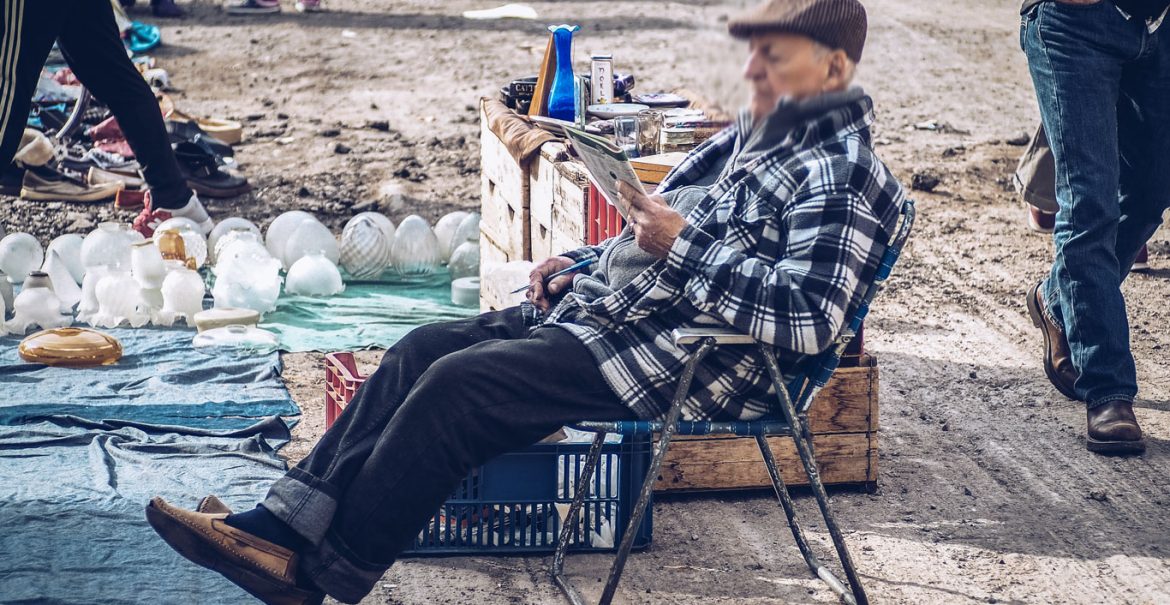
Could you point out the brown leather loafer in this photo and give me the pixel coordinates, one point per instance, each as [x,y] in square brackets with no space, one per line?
[1058,364]
[266,570]
[1113,429]
[212,506]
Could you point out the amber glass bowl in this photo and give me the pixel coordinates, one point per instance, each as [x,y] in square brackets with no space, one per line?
[71,347]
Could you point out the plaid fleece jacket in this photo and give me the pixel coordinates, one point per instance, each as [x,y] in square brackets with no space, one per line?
[781,248]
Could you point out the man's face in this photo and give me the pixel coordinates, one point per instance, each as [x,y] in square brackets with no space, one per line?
[787,65]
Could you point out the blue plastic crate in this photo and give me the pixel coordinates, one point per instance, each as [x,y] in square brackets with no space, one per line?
[514,503]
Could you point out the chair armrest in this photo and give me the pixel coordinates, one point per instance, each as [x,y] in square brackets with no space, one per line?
[722,336]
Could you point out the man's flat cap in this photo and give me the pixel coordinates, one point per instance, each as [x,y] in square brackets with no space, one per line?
[834,23]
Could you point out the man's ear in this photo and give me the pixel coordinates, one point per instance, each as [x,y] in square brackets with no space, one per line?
[838,72]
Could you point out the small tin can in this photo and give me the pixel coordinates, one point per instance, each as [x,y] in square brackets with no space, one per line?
[601,78]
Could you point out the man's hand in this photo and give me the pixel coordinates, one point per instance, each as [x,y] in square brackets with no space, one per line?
[655,224]
[538,291]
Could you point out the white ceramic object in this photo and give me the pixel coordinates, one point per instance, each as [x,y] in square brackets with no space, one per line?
[465,292]
[182,292]
[281,229]
[445,230]
[416,249]
[464,261]
[146,265]
[120,301]
[37,305]
[64,287]
[313,275]
[226,226]
[20,254]
[365,250]
[247,282]
[106,246]
[468,230]
[218,317]
[235,340]
[68,247]
[308,237]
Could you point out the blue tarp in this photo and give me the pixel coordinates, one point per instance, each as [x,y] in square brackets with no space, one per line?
[160,379]
[72,496]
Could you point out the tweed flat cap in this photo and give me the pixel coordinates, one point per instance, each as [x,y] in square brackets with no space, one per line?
[834,23]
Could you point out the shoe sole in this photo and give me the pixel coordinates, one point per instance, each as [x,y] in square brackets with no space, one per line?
[1140,268]
[1115,447]
[218,192]
[192,546]
[1037,227]
[36,196]
[1038,321]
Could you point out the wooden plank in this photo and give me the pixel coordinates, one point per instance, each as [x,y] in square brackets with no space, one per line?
[729,463]
[848,403]
[504,193]
[570,204]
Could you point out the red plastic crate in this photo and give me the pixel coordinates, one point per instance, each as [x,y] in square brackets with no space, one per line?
[604,220]
[341,382]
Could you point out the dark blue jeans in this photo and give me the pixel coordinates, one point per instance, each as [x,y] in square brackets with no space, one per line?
[1103,82]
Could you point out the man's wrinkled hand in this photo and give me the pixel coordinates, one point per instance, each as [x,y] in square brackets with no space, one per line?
[655,224]
[540,292]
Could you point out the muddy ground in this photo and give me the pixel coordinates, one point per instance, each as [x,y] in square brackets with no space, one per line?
[986,492]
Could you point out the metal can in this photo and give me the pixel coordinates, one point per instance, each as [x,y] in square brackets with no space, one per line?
[601,79]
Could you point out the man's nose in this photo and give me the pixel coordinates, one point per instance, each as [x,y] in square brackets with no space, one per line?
[752,67]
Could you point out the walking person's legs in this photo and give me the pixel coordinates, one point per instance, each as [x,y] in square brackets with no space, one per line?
[1076,54]
[28,29]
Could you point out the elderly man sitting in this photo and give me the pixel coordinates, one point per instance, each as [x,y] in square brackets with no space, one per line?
[774,226]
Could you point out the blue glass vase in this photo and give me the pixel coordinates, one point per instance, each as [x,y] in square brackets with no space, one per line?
[562,98]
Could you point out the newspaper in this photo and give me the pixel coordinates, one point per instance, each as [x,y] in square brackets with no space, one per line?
[606,165]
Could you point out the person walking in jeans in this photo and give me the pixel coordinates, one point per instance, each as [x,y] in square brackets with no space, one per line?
[1101,70]
[89,38]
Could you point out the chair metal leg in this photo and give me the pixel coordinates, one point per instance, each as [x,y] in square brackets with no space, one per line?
[670,426]
[582,485]
[803,440]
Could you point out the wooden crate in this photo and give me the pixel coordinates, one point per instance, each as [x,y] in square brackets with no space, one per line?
[558,202]
[504,187]
[844,422]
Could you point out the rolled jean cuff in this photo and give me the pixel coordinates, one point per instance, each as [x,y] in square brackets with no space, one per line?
[304,502]
[1100,401]
[334,568]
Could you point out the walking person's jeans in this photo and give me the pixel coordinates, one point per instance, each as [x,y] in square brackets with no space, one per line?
[1103,83]
[447,398]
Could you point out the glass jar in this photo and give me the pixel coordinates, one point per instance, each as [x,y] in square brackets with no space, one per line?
[649,132]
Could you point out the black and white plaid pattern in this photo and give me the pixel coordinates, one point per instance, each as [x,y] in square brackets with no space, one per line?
[781,248]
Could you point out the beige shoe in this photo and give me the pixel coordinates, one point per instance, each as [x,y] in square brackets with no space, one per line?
[266,570]
[98,176]
[48,184]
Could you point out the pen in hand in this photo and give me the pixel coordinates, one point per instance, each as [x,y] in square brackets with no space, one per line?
[571,268]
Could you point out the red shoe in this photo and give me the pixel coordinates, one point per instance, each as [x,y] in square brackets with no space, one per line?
[149,219]
[1041,221]
[1141,264]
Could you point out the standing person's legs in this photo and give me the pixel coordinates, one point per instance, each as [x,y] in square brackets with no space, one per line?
[90,41]
[494,397]
[1144,133]
[29,28]
[1075,54]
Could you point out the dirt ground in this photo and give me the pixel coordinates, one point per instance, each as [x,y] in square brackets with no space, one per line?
[986,492]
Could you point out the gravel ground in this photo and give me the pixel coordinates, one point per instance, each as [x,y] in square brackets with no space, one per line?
[986,491]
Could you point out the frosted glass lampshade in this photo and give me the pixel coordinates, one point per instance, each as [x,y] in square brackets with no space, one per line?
[445,231]
[36,305]
[89,303]
[6,298]
[182,292]
[235,340]
[240,242]
[313,275]
[248,283]
[310,236]
[193,241]
[465,261]
[468,230]
[120,301]
[365,249]
[178,223]
[63,285]
[281,229]
[20,254]
[384,223]
[105,246]
[68,247]
[416,249]
[226,226]
[146,265]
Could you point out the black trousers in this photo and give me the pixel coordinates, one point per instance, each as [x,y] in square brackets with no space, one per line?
[89,39]
[447,398]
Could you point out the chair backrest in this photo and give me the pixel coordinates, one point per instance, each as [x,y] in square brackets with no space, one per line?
[803,388]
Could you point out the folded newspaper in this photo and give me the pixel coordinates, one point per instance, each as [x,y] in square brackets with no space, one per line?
[606,164]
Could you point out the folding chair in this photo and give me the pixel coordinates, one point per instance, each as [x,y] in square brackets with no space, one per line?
[792,421]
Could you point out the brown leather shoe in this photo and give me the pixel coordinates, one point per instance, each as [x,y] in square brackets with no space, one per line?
[266,570]
[212,506]
[1113,429]
[1058,364]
